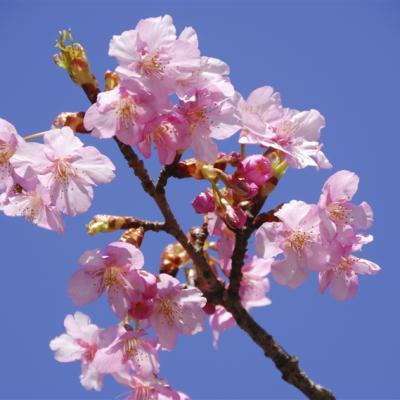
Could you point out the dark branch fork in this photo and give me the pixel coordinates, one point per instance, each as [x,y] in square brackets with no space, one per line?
[207,281]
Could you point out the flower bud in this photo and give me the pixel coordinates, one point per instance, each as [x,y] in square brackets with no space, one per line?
[173,257]
[204,202]
[235,217]
[73,59]
[72,119]
[256,168]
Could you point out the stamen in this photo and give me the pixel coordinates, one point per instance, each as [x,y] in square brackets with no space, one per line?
[338,212]
[126,113]
[151,65]
[298,240]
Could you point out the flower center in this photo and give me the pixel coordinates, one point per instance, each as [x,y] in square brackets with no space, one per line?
[6,153]
[126,113]
[298,240]
[90,352]
[112,277]
[170,310]
[64,170]
[151,65]
[338,212]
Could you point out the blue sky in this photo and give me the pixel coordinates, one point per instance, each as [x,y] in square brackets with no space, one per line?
[339,57]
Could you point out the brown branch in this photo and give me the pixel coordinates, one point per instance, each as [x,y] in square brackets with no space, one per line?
[166,172]
[268,216]
[171,225]
[288,365]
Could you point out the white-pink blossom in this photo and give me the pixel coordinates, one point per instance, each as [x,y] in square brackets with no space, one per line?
[153,55]
[177,310]
[81,342]
[298,237]
[65,167]
[110,273]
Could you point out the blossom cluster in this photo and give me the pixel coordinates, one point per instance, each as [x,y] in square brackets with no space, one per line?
[165,95]
[159,302]
[320,238]
[41,181]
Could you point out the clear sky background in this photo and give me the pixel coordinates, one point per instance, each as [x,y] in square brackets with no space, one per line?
[339,57]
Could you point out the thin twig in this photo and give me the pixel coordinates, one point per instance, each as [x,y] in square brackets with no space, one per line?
[288,365]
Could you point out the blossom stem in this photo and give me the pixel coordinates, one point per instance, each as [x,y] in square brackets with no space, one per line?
[33,136]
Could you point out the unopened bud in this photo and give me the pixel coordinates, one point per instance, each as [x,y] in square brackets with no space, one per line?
[173,257]
[72,119]
[204,202]
[73,59]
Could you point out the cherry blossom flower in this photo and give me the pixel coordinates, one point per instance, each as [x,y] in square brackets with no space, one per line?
[210,115]
[170,134]
[255,284]
[299,238]
[220,321]
[153,55]
[294,133]
[36,206]
[129,350]
[212,75]
[261,107]
[81,342]
[149,388]
[342,277]
[110,273]
[177,310]
[65,167]
[123,111]
[336,208]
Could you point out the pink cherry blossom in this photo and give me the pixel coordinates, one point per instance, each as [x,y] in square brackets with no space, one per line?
[149,388]
[226,241]
[204,202]
[9,140]
[152,54]
[212,75]
[299,238]
[65,167]
[255,284]
[234,217]
[337,210]
[177,310]
[210,115]
[256,168]
[123,111]
[170,134]
[294,133]
[108,273]
[342,277]
[129,350]
[261,107]
[36,206]
[220,321]
[80,342]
